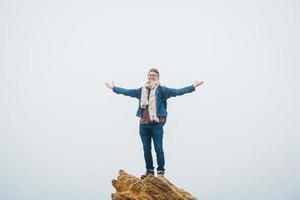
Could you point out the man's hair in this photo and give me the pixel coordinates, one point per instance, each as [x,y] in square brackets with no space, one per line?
[154,70]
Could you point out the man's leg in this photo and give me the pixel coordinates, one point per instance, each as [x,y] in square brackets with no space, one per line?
[157,133]
[145,134]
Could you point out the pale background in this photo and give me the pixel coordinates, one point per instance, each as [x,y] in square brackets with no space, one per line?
[64,135]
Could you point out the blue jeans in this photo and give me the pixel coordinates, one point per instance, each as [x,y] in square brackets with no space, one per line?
[155,132]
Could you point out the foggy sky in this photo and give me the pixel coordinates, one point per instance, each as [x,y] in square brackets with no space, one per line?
[64,135]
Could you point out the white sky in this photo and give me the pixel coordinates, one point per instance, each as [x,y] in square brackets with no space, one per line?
[64,135]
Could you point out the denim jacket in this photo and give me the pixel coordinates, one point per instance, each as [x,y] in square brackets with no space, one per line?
[160,109]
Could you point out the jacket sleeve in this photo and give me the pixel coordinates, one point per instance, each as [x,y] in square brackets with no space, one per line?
[171,92]
[135,93]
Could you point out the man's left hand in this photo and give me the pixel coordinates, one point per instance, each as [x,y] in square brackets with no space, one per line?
[197,83]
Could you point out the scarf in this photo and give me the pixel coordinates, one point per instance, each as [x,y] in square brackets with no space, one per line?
[148,99]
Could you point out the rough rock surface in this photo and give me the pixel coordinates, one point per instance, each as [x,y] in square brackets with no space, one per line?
[129,187]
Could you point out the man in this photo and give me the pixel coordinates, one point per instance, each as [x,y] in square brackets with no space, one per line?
[152,111]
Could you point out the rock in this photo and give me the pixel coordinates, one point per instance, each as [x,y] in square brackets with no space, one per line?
[129,187]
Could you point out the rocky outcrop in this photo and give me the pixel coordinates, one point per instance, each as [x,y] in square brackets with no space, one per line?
[129,187]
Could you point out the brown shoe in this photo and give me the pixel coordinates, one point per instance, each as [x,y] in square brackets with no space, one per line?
[148,172]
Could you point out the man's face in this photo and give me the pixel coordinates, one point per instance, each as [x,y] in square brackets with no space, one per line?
[152,76]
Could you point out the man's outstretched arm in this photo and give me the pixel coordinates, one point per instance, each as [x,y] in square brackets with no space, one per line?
[171,92]
[127,92]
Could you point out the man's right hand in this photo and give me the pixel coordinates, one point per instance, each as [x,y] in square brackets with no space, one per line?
[110,84]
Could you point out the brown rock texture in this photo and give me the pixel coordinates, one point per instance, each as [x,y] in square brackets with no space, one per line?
[129,187]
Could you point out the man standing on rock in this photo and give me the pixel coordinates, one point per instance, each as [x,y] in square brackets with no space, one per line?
[152,111]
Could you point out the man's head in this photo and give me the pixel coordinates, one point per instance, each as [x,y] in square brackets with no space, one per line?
[153,75]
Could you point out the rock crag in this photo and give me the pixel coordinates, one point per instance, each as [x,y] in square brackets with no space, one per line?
[129,187]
